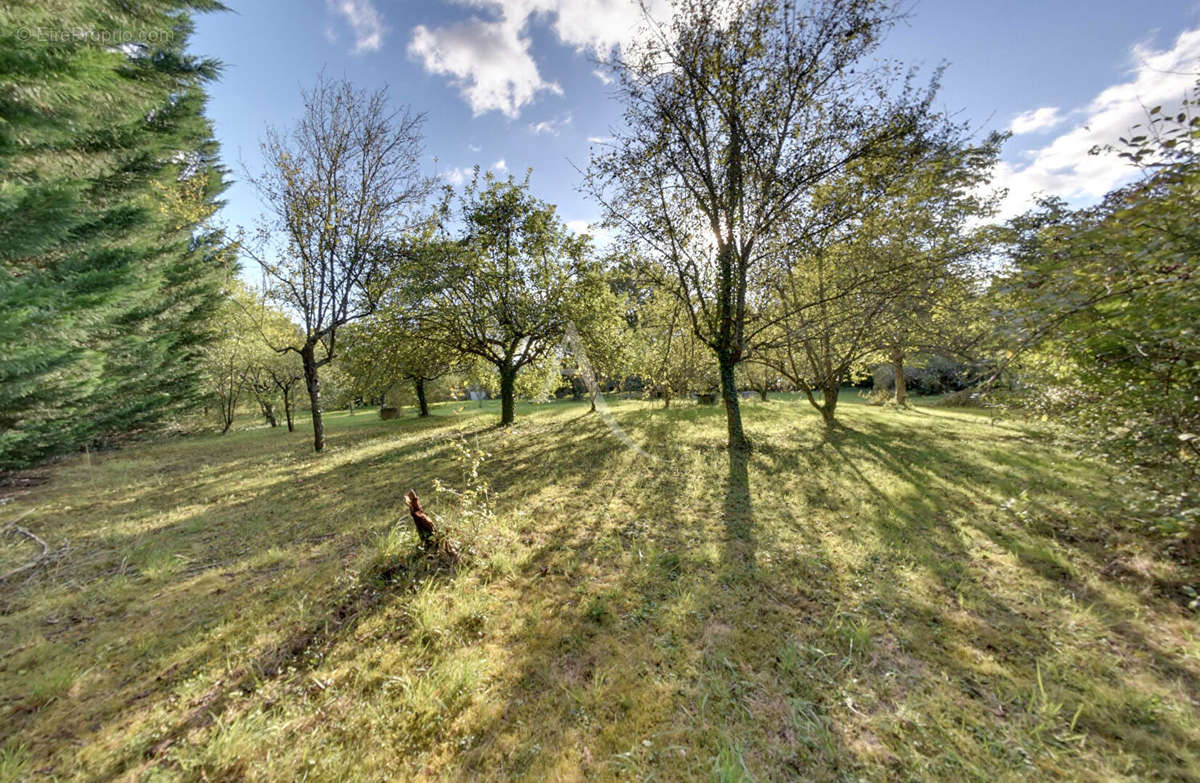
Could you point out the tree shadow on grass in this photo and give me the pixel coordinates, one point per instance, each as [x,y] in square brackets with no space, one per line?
[973,610]
[170,595]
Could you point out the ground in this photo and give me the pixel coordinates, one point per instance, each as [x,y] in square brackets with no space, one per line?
[921,594]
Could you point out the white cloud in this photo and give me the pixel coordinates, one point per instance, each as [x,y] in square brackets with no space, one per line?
[491,61]
[365,22]
[599,139]
[1036,119]
[1064,168]
[474,148]
[602,76]
[457,177]
[551,127]
[500,165]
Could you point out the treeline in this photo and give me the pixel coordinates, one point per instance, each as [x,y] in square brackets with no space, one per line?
[787,214]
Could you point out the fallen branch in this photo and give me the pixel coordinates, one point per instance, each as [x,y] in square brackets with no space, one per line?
[15,528]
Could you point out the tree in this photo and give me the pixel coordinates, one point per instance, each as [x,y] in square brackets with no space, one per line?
[831,303]
[230,358]
[1101,306]
[735,113]
[506,290]
[670,359]
[110,267]
[760,377]
[343,181]
[387,349]
[601,344]
[274,375]
[872,280]
[931,229]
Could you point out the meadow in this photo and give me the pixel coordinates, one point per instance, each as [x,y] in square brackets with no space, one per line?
[930,593]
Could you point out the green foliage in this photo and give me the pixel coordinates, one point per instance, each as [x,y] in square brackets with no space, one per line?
[891,278]
[668,356]
[504,292]
[1103,305]
[110,272]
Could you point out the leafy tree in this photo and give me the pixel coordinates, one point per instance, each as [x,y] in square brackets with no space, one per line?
[505,291]
[669,358]
[881,277]
[1102,306]
[930,224]
[760,377]
[343,181]
[601,344]
[273,375]
[388,348]
[735,113]
[229,359]
[831,303]
[110,270]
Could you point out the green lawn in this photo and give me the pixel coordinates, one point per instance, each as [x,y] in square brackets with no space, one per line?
[925,594]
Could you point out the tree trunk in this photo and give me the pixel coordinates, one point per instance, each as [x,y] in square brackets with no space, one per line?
[667,399]
[313,384]
[763,393]
[351,406]
[829,403]
[901,396]
[733,413]
[592,396]
[228,411]
[268,411]
[421,401]
[287,409]
[508,378]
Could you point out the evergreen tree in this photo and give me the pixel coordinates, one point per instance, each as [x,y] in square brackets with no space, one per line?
[109,269]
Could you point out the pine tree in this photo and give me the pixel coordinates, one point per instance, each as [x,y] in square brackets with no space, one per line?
[109,270]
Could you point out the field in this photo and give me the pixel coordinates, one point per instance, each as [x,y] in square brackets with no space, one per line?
[922,594]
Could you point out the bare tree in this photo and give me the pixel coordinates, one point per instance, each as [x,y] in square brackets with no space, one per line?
[735,113]
[335,186]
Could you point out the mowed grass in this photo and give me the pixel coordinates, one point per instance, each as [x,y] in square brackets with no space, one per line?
[924,594]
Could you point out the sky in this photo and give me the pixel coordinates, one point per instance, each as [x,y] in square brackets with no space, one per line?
[512,85]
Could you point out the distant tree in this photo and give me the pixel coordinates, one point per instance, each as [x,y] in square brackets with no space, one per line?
[341,182]
[274,375]
[230,358]
[873,278]
[602,346]
[735,112]
[388,349]
[760,377]
[830,301]
[506,290]
[931,224]
[669,358]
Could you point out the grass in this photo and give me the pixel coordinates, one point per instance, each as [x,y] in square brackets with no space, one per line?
[923,594]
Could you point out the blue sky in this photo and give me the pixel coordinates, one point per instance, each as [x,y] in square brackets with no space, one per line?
[510,84]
